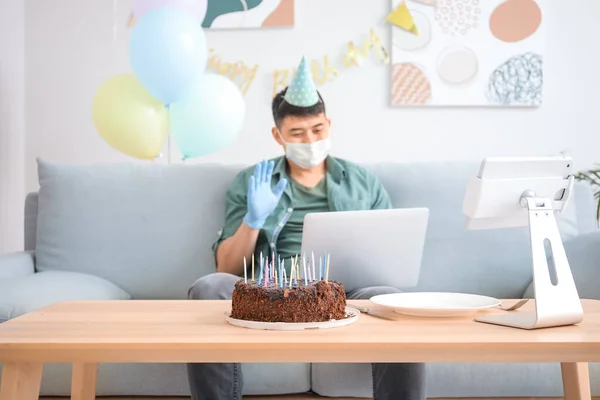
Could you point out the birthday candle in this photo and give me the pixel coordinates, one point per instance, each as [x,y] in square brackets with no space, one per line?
[309,276]
[295,264]
[281,276]
[314,276]
[292,275]
[267,273]
[276,281]
[260,274]
[252,267]
[327,274]
[304,262]
[320,268]
[245,273]
[284,277]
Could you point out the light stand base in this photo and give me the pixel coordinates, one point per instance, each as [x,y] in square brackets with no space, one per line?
[557,302]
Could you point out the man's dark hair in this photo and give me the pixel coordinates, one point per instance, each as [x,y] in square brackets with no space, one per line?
[282,108]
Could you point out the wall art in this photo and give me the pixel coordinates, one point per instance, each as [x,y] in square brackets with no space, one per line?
[467,52]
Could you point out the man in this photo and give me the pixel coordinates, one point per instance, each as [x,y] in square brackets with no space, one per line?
[266,206]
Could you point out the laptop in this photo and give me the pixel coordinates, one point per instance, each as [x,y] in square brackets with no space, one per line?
[368,247]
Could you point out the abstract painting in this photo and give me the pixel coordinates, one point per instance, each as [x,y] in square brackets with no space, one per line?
[240,14]
[467,53]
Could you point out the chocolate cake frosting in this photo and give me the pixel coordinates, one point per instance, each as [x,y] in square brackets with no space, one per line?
[316,301]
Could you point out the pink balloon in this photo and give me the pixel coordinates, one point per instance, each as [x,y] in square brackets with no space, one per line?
[194,7]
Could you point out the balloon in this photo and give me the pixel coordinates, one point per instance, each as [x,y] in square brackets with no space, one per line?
[195,7]
[167,52]
[128,118]
[209,118]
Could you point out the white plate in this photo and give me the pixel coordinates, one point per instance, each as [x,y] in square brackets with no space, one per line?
[435,304]
[294,326]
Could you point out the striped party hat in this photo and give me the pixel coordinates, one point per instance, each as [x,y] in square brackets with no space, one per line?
[302,92]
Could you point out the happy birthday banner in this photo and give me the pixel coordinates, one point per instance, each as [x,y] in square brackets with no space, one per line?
[323,70]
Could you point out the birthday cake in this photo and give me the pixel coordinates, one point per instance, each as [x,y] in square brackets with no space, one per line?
[269,299]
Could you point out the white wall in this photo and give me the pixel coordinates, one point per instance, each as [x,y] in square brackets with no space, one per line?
[12,124]
[71,50]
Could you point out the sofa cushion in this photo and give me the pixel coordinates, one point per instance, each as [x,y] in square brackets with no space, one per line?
[19,296]
[583,254]
[16,265]
[148,228]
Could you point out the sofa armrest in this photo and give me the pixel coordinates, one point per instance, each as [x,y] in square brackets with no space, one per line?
[583,253]
[17,265]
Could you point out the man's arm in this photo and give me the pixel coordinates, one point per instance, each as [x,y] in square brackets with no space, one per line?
[249,203]
[237,239]
[233,249]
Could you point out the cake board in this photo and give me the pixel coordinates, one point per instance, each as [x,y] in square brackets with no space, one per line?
[352,317]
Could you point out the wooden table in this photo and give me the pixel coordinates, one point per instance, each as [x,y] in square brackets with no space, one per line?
[88,333]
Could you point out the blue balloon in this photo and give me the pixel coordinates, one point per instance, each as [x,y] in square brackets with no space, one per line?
[209,118]
[167,52]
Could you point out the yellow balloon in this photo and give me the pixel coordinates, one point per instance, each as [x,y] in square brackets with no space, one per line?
[128,118]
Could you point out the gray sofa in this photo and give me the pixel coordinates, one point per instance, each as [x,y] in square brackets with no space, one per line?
[145,231]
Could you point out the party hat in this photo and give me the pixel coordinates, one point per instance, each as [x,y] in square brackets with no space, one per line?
[302,92]
[402,18]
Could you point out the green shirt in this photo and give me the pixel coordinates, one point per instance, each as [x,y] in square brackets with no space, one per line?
[349,187]
[304,200]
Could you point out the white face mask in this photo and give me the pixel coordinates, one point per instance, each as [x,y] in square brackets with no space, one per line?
[307,155]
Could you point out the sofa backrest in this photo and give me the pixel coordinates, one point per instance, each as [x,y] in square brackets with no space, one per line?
[150,228]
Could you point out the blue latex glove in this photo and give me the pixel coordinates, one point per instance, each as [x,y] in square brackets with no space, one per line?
[262,200]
